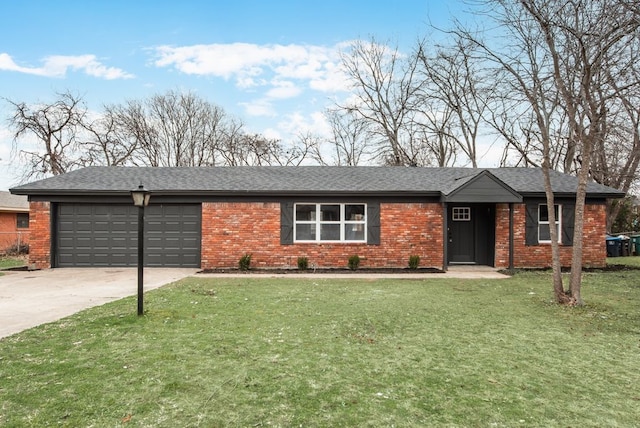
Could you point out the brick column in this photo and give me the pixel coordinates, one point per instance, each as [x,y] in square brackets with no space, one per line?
[40,231]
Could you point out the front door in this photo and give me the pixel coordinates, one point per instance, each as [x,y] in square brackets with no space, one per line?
[461,235]
[471,234]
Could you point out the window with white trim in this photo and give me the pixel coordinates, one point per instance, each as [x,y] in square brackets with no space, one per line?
[544,227]
[330,222]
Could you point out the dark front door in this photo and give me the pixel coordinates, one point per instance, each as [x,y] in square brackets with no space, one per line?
[471,234]
[461,235]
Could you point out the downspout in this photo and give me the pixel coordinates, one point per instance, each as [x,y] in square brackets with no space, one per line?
[511,245]
[445,237]
[53,234]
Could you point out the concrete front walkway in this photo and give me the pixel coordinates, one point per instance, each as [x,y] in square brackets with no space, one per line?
[28,299]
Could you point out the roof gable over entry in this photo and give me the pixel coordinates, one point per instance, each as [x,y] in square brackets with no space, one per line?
[483,187]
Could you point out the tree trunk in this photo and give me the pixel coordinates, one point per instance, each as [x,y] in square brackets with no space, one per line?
[558,286]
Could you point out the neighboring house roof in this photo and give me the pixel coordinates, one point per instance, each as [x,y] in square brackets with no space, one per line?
[300,180]
[13,203]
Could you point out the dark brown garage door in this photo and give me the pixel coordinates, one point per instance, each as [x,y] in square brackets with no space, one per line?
[106,235]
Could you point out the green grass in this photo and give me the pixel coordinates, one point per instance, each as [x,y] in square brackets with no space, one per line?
[9,262]
[316,352]
[626,261]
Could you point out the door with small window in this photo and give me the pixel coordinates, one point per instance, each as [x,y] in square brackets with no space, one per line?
[461,235]
[471,234]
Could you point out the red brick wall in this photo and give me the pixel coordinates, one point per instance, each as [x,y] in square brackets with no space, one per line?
[229,230]
[10,235]
[40,240]
[594,248]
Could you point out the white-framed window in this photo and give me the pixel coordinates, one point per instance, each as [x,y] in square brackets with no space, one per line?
[461,214]
[329,222]
[544,231]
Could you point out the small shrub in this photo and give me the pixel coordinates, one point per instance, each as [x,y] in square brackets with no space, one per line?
[414,261]
[303,263]
[245,262]
[354,262]
[17,250]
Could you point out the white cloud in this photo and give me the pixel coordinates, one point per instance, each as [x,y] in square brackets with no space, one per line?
[257,65]
[297,123]
[5,144]
[284,89]
[58,65]
[272,72]
[259,107]
[333,80]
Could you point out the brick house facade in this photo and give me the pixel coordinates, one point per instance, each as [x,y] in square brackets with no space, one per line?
[14,222]
[406,229]
[483,217]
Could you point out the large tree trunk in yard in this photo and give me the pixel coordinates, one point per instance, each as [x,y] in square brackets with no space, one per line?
[576,257]
[558,287]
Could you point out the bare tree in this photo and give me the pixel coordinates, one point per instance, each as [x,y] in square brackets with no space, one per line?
[54,127]
[564,58]
[384,87]
[589,44]
[171,129]
[434,130]
[456,89]
[182,129]
[255,149]
[348,143]
[615,163]
[104,143]
[293,154]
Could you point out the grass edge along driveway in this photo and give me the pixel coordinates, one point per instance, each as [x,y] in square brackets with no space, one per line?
[320,352]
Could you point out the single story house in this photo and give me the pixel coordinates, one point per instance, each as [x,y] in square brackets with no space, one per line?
[14,221]
[209,217]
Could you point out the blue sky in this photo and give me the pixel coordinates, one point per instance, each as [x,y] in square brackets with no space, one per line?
[272,64]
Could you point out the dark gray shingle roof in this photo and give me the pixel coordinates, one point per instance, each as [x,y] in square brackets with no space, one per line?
[296,180]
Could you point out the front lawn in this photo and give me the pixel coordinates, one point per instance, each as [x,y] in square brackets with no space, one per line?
[317,352]
[625,261]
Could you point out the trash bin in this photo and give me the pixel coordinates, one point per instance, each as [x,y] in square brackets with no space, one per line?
[614,246]
[635,245]
[625,246]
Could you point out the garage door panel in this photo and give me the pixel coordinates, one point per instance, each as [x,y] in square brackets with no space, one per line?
[191,227]
[106,235]
[175,210]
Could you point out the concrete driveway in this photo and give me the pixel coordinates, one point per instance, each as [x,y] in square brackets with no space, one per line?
[28,299]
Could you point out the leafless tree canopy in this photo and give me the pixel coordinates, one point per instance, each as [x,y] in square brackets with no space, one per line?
[50,131]
[174,129]
[349,143]
[170,129]
[454,97]
[384,86]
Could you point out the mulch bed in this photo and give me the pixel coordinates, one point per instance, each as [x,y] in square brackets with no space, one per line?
[324,271]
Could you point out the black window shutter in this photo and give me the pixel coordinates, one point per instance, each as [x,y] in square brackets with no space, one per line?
[531,226]
[568,220]
[373,223]
[286,223]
